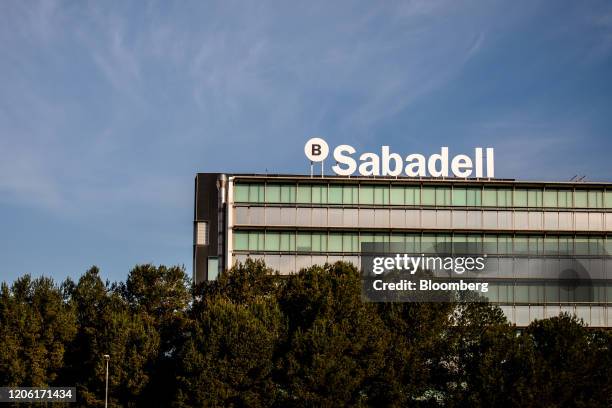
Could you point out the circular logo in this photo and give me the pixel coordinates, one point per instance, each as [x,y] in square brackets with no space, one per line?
[316,149]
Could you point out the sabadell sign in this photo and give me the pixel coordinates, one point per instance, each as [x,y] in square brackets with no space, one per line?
[389,163]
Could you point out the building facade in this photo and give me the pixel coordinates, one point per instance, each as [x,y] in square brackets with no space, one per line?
[296,221]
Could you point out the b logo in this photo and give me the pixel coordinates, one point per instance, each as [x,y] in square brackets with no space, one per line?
[316,149]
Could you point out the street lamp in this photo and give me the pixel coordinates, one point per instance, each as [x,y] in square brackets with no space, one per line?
[106,357]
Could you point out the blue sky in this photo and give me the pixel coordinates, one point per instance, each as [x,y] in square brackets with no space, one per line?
[108,109]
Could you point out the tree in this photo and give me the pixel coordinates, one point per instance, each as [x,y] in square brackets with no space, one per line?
[336,344]
[35,325]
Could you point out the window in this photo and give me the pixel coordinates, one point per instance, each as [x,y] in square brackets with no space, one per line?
[534,198]
[273,193]
[413,196]
[428,196]
[287,241]
[304,242]
[459,196]
[564,198]
[397,195]
[256,193]
[520,198]
[335,194]
[304,194]
[335,242]
[272,241]
[202,233]
[489,197]
[319,194]
[287,193]
[443,195]
[595,199]
[366,194]
[474,197]
[381,195]
[580,199]
[349,194]
[213,267]
[550,198]
[241,241]
[504,197]
[241,193]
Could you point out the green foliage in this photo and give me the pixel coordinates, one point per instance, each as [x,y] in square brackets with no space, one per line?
[254,338]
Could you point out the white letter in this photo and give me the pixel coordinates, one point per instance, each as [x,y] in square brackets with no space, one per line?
[377,266]
[348,160]
[443,158]
[460,162]
[419,165]
[478,162]
[373,164]
[386,157]
[490,162]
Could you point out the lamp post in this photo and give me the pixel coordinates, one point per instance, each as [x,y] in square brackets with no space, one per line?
[107,358]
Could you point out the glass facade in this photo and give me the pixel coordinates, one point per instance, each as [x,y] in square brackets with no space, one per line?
[526,229]
[350,241]
[421,195]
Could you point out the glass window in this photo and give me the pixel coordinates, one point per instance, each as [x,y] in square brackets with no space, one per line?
[428,242]
[256,241]
[489,197]
[273,193]
[381,195]
[566,245]
[272,241]
[608,198]
[241,240]
[413,243]
[319,242]
[550,198]
[504,197]
[213,267]
[459,196]
[564,198]
[551,245]
[521,245]
[335,242]
[241,193]
[474,197]
[534,198]
[596,246]
[335,194]
[350,243]
[303,242]
[366,194]
[319,194]
[595,199]
[521,293]
[504,244]
[489,244]
[256,193]
[413,196]
[287,193]
[287,241]
[443,195]
[349,194]
[535,245]
[304,194]
[581,245]
[520,198]
[397,195]
[580,199]
[428,196]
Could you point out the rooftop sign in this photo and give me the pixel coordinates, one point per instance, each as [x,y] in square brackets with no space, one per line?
[389,163]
